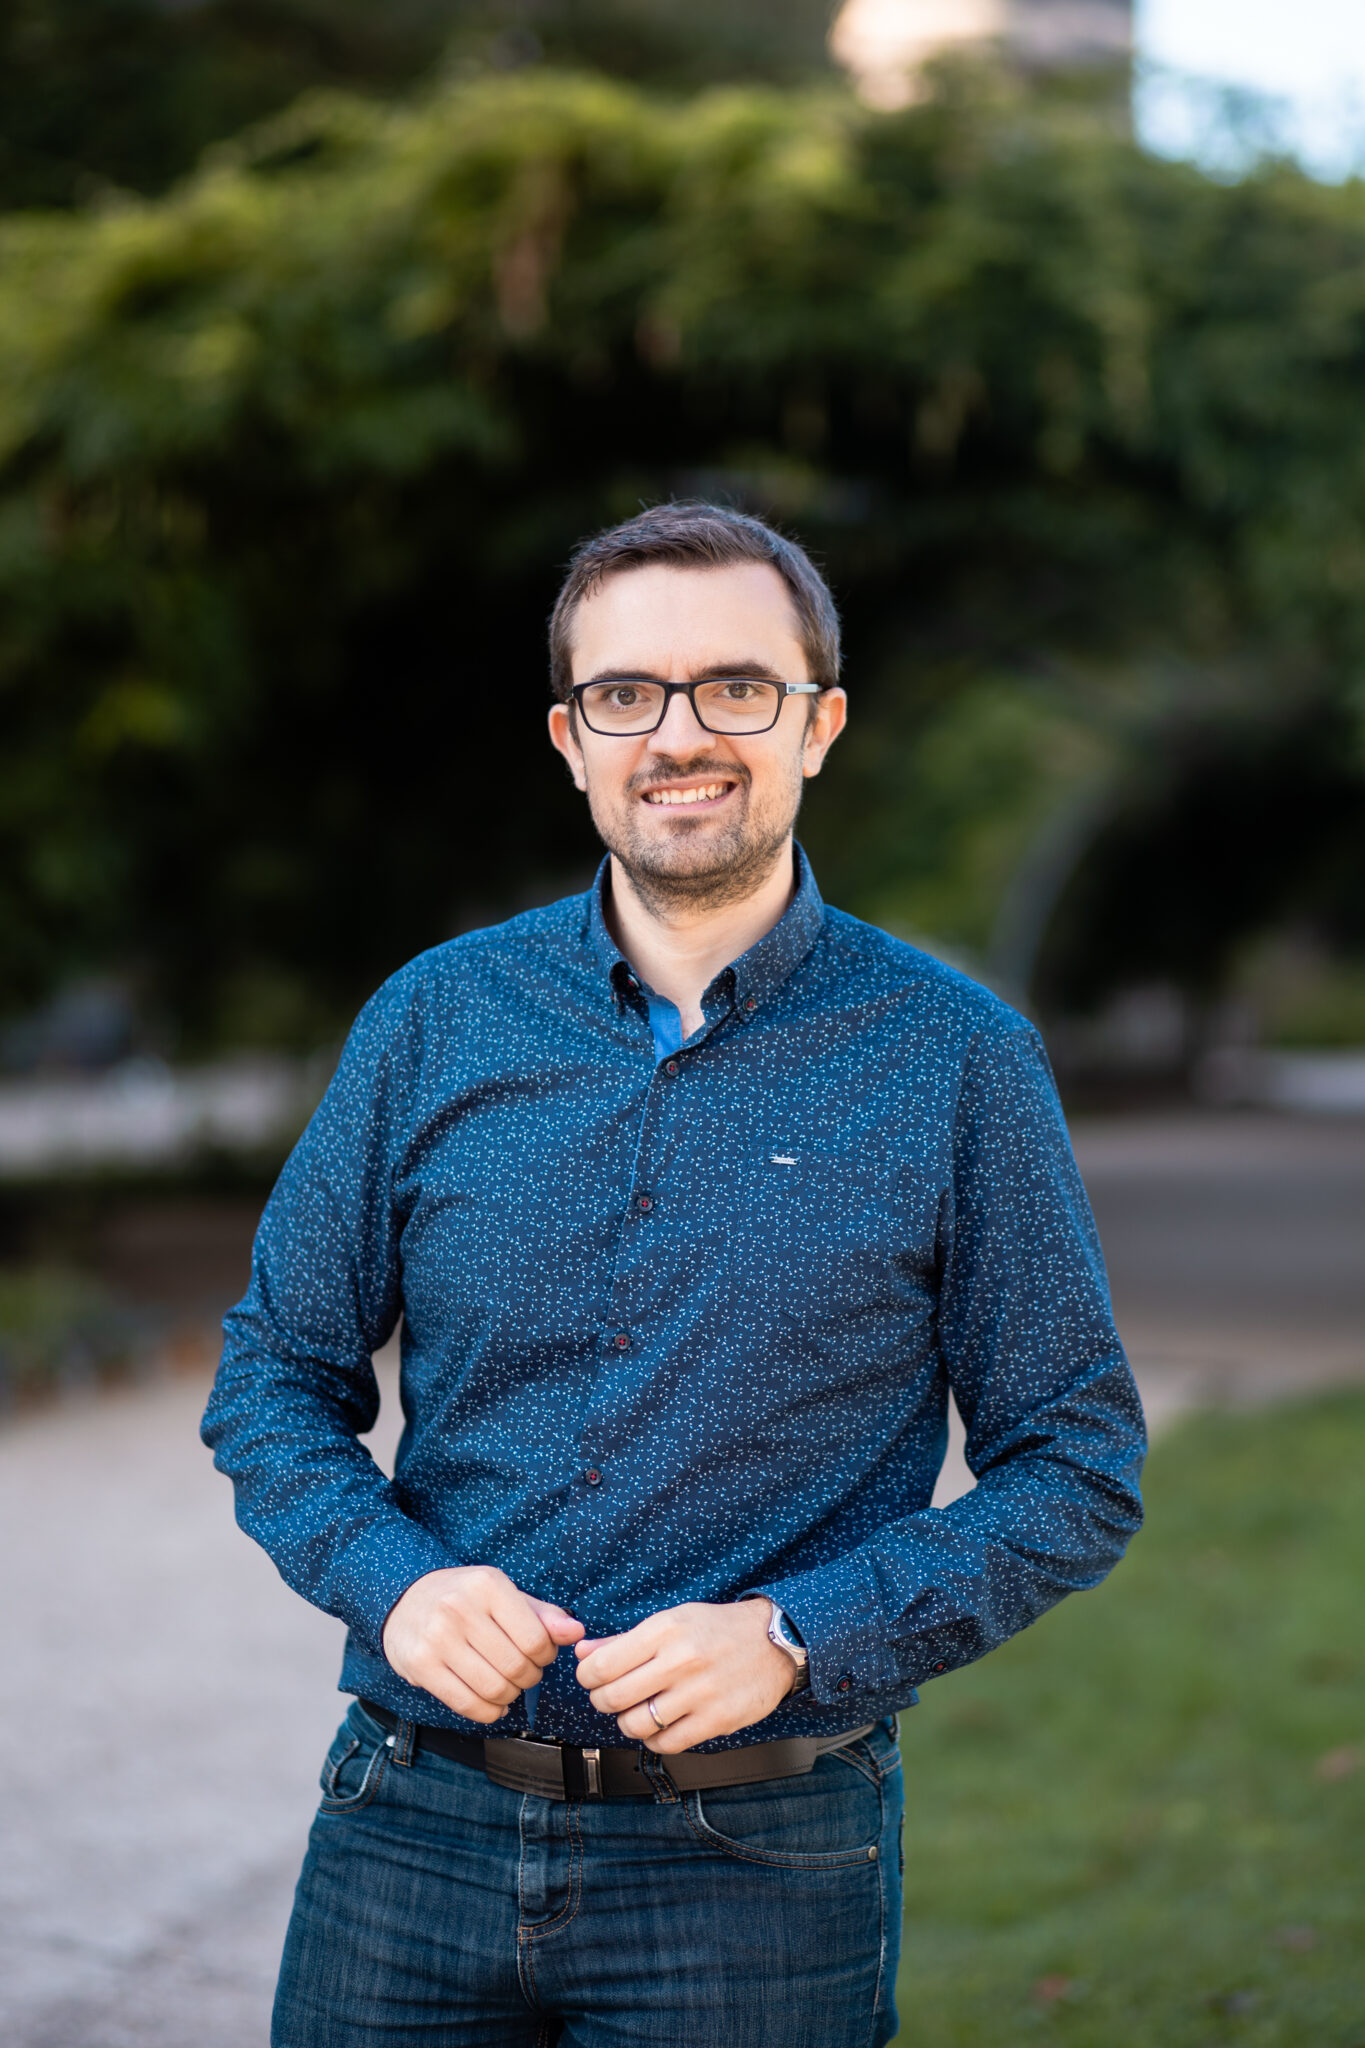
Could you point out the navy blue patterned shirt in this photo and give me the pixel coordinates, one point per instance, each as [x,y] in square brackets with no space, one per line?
[681,1325]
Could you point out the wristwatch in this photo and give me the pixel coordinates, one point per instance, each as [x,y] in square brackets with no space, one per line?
[784,1637]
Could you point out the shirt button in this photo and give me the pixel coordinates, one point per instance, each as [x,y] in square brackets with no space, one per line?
[670,1066]
[845,1684]
[646,1201]
[940,1667]
[593,1477]
[751,1004]
[622,1341]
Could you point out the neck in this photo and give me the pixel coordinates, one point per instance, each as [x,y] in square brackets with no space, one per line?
[679,950]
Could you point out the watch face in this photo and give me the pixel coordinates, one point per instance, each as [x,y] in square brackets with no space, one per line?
[787,1636]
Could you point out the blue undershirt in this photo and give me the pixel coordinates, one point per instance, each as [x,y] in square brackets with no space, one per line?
[665,1021]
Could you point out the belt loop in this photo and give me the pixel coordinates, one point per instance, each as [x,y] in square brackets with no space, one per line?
[654,1769]
[404,1741]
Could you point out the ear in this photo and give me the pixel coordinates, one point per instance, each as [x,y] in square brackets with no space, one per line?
[564,740]
[831,714]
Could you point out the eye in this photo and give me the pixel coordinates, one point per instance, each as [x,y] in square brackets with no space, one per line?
[738,691]
[623,696]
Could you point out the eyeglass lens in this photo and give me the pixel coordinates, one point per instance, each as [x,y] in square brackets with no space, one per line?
[726,704]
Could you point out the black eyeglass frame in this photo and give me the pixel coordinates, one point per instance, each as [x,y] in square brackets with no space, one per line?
[671,690]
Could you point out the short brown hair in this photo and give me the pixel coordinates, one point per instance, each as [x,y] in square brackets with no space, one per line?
[693,535]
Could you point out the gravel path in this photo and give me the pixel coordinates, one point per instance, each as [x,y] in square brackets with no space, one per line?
[166,1701]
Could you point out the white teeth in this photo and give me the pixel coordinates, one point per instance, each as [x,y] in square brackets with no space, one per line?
[686,796]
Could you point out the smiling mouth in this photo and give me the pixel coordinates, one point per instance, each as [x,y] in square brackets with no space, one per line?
[690,793]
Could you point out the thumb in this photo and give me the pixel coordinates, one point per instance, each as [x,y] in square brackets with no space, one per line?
[561,1626]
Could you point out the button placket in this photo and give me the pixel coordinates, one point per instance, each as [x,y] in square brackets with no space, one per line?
[621,1334]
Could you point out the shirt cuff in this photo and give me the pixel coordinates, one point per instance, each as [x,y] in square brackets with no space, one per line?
[376,1569]
[846,1638]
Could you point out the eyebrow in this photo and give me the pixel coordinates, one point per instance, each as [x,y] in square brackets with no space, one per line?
[756,671]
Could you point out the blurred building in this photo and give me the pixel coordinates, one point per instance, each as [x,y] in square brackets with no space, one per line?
[886,44]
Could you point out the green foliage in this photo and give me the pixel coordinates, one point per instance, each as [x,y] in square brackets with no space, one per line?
[128,93]
[1302,997]
[289,458]
[677,44]
[1140,1821]
[1330,1014]
[57,1327]
[95,93]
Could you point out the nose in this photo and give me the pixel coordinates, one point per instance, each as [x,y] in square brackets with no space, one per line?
[682,732]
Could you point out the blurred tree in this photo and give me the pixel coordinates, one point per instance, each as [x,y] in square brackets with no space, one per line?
[128,93]
[289,459]
[677,44]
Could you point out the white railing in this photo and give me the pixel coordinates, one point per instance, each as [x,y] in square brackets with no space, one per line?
[1320,1083]
[147,1114]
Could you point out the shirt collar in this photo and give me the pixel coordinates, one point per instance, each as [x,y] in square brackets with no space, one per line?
[757,974]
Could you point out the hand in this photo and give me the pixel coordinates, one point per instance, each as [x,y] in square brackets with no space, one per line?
[475,1640]
[709,1671]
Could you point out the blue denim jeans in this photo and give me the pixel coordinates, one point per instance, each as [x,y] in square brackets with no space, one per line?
[437,1909]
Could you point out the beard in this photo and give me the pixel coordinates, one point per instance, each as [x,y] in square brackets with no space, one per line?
[695,864]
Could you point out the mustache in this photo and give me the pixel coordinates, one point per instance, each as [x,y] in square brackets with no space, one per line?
[667,770]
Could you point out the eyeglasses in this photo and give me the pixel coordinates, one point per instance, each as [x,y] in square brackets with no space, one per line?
[632,705]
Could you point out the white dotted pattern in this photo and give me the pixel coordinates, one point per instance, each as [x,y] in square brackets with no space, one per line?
[735,1285]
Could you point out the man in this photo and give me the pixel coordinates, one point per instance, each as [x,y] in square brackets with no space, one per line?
[695,1198]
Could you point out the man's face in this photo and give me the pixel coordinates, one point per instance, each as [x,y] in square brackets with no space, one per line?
[691,814]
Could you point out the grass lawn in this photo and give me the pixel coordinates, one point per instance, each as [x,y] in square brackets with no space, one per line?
[1142,1823]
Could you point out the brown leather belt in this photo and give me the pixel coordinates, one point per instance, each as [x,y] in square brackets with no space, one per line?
[559,1770]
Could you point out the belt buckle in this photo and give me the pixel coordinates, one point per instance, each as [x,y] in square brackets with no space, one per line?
[582,1772]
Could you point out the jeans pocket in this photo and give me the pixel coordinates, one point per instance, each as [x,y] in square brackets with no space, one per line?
[353,1769]
[829,1820]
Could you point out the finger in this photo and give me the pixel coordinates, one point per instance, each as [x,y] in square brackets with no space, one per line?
[489,1642]
[624,1693]
[619,1654]
[483,1679]
[684,1733]
[455,1636]
[683,1699]
[640,1725]
[448,1687]
[516,1616]
[559,1625]
[492,1641]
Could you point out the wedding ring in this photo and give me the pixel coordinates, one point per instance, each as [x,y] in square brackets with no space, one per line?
[654,1714]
